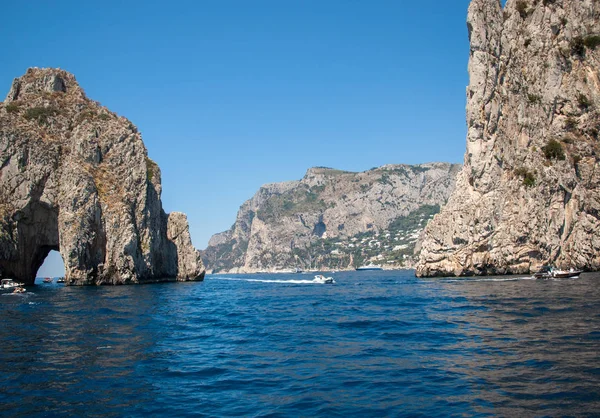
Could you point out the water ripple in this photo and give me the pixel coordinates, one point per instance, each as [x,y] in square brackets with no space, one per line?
[373,344]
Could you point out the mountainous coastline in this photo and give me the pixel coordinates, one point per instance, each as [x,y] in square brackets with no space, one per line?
[76,178]
[333,219]
[528,193]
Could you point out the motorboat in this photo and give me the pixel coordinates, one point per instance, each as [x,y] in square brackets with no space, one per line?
[319,278]
[9,284]
[60,280]
[544,273]
[370,266]
[565,274]
[48,280]
[549,272]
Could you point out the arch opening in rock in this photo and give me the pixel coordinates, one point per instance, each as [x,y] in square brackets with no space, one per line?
[36,227]
[52,266]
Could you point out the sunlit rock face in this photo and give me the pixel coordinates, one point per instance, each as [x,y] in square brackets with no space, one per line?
[528,193]
[317,222]
[76,178]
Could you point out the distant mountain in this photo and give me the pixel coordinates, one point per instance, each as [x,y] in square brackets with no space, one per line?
[333,219]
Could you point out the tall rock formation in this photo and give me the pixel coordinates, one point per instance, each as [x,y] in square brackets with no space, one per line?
[333,219]
[76,178]
[528,193]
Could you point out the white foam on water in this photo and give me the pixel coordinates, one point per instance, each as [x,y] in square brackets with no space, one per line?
[487,279]
[265,281]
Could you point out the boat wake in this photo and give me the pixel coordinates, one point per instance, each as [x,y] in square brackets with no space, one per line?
[235,279]
[486,279]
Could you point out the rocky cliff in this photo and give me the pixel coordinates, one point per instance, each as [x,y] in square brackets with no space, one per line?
[528,193]
[76,178]
[334,219]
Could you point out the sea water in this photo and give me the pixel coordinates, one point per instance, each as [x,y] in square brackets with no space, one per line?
[373,344]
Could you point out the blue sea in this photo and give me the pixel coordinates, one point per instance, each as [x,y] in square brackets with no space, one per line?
[374,344]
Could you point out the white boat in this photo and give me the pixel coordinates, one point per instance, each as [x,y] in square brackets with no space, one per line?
[319,278]
[60,280]
[549,272]
[10,284]
[564,274]
[370,266]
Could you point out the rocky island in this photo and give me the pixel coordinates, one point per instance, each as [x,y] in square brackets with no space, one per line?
[76,178]
[528,192]
[333,219]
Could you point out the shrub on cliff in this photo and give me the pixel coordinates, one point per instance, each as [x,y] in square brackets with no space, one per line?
[578,46]
[151,169]
[522,9]
[592,41]
[12,108]
[554,150]
[583,101]
[41,114]
[534,98]
[571,123]
[528,177]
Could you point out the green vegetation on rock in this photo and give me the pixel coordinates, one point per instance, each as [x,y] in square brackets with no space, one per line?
[302,199]
[522,8]
[41,114]
[554,150]
[151,169]
[395,245]
[334,220]
[528,177]
[12,107]
[592,41]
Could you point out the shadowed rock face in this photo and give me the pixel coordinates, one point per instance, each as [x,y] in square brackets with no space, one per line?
[528,194]
[76,178]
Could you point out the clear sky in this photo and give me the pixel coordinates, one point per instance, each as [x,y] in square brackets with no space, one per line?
[233,94]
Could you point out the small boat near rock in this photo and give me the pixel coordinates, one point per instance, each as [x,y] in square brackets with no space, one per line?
[60,280]
[549,272]
[10,284]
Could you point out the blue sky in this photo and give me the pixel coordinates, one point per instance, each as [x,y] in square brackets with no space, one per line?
[233,94]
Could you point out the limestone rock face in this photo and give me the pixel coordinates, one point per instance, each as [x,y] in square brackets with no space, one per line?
[178,232]
[314,222]
[76,178]
[528,193]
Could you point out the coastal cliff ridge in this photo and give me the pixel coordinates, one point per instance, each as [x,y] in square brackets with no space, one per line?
[334,219]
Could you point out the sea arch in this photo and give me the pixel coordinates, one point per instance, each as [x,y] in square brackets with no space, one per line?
[33,235]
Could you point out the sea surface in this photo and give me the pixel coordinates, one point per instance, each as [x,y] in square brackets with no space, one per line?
[375,344]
